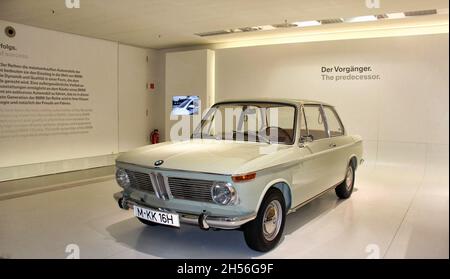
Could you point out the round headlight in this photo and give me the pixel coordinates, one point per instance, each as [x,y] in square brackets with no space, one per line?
[122,178]
[223,193]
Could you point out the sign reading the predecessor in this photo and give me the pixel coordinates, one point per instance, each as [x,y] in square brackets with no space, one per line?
[348,73]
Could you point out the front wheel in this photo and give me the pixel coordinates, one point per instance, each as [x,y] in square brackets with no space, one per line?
[345,189]
[265,231]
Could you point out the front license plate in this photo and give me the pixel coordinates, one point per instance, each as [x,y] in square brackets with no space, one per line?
[159,217]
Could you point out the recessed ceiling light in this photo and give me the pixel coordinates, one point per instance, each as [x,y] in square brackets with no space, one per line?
[307,23]
[250,29]
[396,15]
[331,20]
[284,25]
[421,13]
[382,16]
[214,33]
[267,27]
[361,18]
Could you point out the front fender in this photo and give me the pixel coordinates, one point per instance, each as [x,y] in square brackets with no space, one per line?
[280,182]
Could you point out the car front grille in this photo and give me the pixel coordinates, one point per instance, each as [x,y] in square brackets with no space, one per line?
[190,189]
[171,187]
[140,181]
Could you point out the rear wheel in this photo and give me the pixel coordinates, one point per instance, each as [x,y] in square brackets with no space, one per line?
[265,231]
[345,189]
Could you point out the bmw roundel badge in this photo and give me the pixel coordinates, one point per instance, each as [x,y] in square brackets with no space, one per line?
[159,163]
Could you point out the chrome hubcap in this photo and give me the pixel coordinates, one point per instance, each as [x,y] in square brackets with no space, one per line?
[272,220]
[349,178]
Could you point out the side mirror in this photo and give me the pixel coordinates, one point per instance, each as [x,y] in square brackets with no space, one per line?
[305,139]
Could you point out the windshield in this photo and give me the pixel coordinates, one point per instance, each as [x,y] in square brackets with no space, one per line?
[257,122]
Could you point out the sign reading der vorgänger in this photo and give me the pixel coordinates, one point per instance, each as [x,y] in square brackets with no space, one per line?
[348,73]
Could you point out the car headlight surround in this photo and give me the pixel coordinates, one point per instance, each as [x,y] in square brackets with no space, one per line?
[122,178]
[224,193]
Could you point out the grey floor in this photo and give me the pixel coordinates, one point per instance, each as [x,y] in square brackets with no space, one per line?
[395,212]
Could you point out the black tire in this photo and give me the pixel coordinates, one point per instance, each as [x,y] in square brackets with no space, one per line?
[254,232]
[147,222]
[344,190]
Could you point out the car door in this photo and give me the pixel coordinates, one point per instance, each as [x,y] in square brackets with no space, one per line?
[314,172]
[339,143]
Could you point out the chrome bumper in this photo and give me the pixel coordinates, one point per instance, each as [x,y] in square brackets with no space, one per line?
[204,221]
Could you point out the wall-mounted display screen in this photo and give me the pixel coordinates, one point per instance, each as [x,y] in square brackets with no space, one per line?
[185,105]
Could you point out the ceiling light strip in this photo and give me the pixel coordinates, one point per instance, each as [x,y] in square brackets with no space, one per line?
[311,23]
[378,32]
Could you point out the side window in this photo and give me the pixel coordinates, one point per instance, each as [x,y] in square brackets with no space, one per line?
[315,122]
[334,125]
[303,127]
[285,116]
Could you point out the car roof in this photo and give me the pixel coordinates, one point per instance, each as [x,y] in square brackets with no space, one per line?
[276,100]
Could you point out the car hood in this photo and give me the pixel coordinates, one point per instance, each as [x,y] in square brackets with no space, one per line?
[199,155]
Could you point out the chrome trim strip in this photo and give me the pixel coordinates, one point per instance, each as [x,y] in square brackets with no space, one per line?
[158,180]
[162,185]
[325,121]
[153,169]
[155,185]
[219,222]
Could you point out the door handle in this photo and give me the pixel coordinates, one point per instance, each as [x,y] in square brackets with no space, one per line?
[332,145]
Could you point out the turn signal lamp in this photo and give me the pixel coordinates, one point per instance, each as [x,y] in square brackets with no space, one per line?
[243,177]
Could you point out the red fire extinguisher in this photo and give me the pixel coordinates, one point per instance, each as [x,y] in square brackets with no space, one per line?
[154,136]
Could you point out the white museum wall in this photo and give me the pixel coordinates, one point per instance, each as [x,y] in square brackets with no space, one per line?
[137,112]
[157,100]
[105,81]
[402,117]
[188,73]
[410,97]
